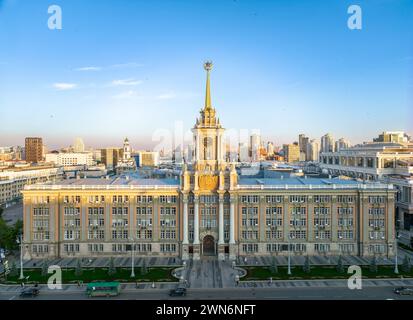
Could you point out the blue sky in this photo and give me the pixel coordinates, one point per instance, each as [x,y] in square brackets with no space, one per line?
[129,68]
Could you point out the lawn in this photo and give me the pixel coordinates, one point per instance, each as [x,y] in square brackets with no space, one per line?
[157,274]
[319,272]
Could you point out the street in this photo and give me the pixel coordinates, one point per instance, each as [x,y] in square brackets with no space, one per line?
[325,293]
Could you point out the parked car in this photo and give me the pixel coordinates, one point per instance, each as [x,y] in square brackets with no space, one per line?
[29,292]
[177,292]
[403,291]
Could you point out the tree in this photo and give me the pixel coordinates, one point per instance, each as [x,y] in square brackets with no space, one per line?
[373,265]
[274,268]
[9,234]
[307,267]
[1,211]
[340,266]
[79,269]
[45,266]
[112,268]
[406,266]
[144,269]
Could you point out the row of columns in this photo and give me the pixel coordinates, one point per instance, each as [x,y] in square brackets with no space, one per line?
[220,222]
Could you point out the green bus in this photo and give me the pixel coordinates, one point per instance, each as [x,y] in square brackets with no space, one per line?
[103,289]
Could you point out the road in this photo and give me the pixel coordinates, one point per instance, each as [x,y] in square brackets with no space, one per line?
[369,293]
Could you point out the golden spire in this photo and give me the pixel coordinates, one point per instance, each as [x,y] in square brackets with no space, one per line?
[208,67]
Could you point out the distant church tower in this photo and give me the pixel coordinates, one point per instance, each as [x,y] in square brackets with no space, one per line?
[126,150]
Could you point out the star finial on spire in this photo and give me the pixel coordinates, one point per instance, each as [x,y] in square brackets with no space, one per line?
[208,68]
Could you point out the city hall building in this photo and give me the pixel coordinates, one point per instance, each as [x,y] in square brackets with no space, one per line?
[210,210]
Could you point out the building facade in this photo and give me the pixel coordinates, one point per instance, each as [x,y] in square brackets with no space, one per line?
[210,209]
[34,149]
[70,158]
[291,152]
[13,181]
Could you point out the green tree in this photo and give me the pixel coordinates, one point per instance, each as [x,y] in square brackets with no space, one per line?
[112,268]
[274,267]
[340,266]
[79,269]
[373,265]
[307,266]
[45,266]
[406,266]
[9,234]
[1,211]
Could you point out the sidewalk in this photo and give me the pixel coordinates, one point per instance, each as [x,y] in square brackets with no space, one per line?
[394,282]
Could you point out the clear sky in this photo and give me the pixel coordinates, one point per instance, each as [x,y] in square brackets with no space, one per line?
[131,68]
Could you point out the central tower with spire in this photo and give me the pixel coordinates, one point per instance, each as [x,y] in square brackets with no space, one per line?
[210,177]
[208,133]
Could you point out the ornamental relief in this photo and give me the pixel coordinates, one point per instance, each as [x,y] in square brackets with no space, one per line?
[208,182]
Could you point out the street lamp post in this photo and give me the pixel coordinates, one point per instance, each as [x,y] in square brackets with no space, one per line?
[396,263]
[132,273]
[289,254]
[19,240]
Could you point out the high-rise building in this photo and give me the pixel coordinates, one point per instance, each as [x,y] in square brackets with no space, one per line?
[255,145]
[342,144]
[270,149]
[313,150]
[78,145]
[327,143]
[291,152]
[110,157]
[243,152]
[34,149]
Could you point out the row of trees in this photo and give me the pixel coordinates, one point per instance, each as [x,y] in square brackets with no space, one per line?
[111,268]
[406,265]
[9,234]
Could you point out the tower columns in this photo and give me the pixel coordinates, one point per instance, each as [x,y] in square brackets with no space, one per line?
[196,246]
[232,222]
[221,220]
[185,239]
[196,220]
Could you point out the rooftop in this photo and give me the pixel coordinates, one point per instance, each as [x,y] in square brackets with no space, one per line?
[126,183]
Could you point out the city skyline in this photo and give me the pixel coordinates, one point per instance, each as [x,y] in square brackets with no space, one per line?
[125,83]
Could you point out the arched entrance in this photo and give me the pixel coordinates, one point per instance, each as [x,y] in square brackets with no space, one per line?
[208,246]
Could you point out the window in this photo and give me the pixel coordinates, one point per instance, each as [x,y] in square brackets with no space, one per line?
[322,247]
[273,199]
[298,198]
[298,234]
[168,247]
[273,234]
[376,211]
[298,210]
[322,198]
[167,199]
[249,199]
[376,199]
[345,199]
[321,210]
[273,210]
[250,247]
[346,247]
[345,234]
